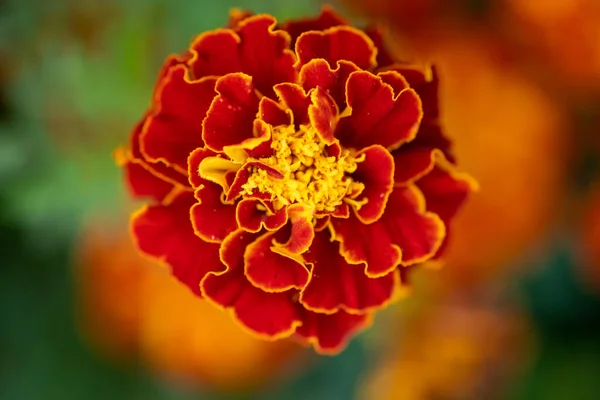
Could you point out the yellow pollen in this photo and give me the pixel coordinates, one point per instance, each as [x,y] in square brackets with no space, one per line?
[310,176]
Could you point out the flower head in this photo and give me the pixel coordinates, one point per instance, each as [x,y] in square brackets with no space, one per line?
[296,172]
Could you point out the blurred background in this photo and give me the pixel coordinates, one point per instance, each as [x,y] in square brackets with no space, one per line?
[514,313]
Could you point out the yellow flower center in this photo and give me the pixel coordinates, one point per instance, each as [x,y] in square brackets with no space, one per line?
[311,176]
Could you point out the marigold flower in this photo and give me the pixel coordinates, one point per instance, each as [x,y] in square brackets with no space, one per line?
[296,172]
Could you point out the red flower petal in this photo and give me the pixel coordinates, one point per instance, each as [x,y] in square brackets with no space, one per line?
[211,218]
[376,172]
[336,44]
[323,114]
[424,80]
[270,315]
[194,160]
[327,19]
[330,333]
[252,219]
[255,49]
[296,99]
[164,232]
[378,117]
[160,169]
[335,284]
[413,163]
[243,174]
[300,233]
[270,112]
[140,180]
[230,118]
[271,271]
[405,234]
[317,73]
[174,129]
[384,58]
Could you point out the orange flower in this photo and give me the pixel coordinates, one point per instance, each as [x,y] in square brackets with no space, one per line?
[150,315]
[295,172]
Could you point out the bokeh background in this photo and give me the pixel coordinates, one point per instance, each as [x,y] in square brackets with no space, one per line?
[514,312]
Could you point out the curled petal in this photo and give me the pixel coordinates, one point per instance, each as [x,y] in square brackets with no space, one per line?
[254,48]
[301,231]
[330,334]
[164,232]
[395,80]
[253,215]
[378,116]
[317,73]
[212,219]
[296,99]
[336,44]
[174,129]
[323,114]
[405,234]
[376,172]
[323,222]
[268,315]
[230,118]
[194,161]
[243,174]
[270,112]
[327,19]
[335,284]
[271,271]
[424,80]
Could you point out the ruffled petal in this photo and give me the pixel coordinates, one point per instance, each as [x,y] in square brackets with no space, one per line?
[413,164]
[336,285]
[230,119]
[405,234]
[174,129]
[318,73]
[378,116]
[296,99]
[327,19]
[243,174]
[255,48]
[376,172]
[269,315]
[270,112]
[164,232]
[323,114]
[298,233]
[330,334]
[424,80]
[212,219]
[253,215]
[271,271]
[336,44]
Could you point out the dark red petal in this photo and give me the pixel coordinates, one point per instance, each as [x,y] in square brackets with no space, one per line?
[270,315]
[327,19]
[330,334]
[413,163]
[211,218]
[296,99]
[272,113]
[165,233]
[430,136]
[140,180]
[323,222]
[160,169]
[395,80]
[424,80]
[271,271]
[378,117]
[252,218]
[194,161]
[336,44]
[174,129]
[318,74]
[384,58]
[405,234]
[376,172]
[335,284]
[255,48]
[323,114]
[230,117]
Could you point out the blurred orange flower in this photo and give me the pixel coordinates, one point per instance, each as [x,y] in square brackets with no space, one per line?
[473,351]
[150,316]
